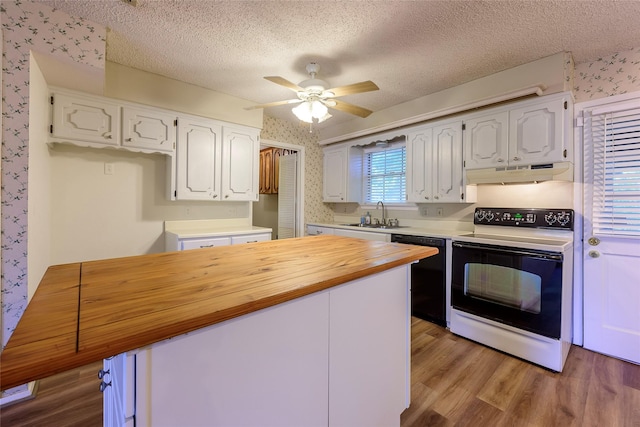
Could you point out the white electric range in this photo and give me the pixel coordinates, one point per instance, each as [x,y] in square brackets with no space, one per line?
[511,286]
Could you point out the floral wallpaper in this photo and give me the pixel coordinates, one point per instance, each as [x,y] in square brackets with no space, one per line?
[282,131]
[607,76]
[27,27]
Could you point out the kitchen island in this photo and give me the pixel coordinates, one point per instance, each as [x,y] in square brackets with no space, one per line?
[326,306]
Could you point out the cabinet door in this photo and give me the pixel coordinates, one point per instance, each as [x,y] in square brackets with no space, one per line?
[486,141]
[419,151]
[266,173]
[85,119]
[369,350]
[334,175]
[536,133]
[240,155]
[267,368]
[277,153]
[148,129]
[198,160]
[447,162]
[201,243]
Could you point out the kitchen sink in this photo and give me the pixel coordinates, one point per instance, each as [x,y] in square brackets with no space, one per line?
[384,227]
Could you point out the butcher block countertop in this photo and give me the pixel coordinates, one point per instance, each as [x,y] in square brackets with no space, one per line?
[85,312]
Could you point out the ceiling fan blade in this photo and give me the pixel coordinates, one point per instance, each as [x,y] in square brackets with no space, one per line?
[350,108]
[361,87]
[284,82]
[274,104]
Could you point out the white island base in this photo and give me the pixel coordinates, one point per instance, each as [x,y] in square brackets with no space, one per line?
[338,357]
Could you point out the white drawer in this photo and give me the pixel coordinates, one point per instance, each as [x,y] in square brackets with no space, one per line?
[250,238]
[208,242]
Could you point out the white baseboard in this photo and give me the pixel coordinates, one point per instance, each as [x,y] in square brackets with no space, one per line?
[21,393]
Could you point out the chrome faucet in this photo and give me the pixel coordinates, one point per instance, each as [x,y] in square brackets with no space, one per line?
[380,203]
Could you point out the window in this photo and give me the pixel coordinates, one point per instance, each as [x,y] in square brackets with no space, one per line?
[384,174]
[615,163]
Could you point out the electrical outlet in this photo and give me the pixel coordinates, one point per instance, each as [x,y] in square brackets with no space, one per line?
[109,168]
[439,212]
[424,211]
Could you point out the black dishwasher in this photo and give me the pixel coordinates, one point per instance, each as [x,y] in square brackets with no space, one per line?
[428,280]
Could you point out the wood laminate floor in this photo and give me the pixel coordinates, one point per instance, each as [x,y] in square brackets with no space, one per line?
[455,382]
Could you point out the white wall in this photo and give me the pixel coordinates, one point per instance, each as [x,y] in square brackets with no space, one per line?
[39,201]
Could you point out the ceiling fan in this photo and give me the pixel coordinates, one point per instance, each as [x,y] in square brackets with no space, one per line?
[315,97]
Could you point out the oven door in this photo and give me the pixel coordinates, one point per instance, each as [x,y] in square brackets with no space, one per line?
[517,287]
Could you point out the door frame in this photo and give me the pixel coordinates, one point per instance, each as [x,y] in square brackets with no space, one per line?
[299,178]
[579,207]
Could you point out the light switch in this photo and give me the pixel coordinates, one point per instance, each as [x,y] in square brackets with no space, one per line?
[109,168]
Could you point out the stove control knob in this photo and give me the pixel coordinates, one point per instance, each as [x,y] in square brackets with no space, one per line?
[489,216]
[480,215]
[550,218]
[563,218]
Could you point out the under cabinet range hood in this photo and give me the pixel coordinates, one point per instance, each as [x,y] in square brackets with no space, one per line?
[562,171]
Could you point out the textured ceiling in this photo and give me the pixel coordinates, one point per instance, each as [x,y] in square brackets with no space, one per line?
[408,48]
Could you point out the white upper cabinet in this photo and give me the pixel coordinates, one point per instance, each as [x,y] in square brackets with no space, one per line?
[536,133]
[199,159]
[148,129]
[240,159]
[531,132]
[342,174]
[215,161]
[95,121]
[85,120]
[434,163]
[486,140]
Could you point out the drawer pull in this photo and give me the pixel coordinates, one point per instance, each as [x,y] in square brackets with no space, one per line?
[207,246]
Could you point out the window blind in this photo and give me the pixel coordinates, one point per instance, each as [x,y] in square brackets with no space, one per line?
[615,164]
[384,174]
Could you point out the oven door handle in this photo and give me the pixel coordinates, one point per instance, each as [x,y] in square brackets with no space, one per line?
[511,251]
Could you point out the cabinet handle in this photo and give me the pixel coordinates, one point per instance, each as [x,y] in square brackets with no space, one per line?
[206,246]
[226,196]
[128,139]
[102,373]
[436,197]
[426,197]
[500,160]
[107,136]
[103,386]
[516,158]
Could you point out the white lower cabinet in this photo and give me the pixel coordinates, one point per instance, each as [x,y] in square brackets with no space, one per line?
[329,358]
[366,235]
[315,230]
[209,242]
[174,242]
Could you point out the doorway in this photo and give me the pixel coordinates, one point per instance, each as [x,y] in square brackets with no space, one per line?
[611,229]
[281,200]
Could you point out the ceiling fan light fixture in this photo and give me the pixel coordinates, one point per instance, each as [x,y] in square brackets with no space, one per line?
[309,110]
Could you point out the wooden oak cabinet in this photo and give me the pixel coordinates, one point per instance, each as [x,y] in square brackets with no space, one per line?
[270,169]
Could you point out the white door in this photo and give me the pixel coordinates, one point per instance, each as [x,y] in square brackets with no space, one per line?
[287,180]
[612,227]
